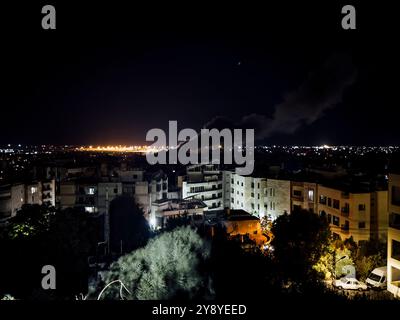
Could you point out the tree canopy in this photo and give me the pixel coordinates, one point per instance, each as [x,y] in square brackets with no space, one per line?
[168,267]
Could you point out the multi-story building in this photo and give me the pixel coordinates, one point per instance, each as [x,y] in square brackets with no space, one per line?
[303,195]
[393,239]
[204,182]
[247,193]
[164,209]
[277,197]
[358,214]
[12,197]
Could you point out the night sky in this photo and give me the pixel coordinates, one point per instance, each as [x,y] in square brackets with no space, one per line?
[110,73]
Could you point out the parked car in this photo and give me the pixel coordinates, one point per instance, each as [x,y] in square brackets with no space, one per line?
[378,278]
[350,284]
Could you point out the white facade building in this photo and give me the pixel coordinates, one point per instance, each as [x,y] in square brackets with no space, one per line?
[204,182]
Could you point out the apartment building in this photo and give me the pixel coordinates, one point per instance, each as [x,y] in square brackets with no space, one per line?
[277,197]
[303,195]
[358,214]
[205,183]
[247,193]
[393,237]
[164,209]
[12,198]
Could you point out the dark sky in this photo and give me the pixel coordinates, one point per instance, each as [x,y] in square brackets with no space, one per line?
[109,73]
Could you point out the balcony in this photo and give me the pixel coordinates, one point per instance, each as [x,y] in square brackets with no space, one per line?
[345,228]
[345,211]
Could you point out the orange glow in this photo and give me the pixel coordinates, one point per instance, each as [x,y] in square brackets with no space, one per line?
[122,149]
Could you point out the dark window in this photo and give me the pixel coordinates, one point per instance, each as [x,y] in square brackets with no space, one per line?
[252,184]
[336,221]
[394,220]
[336,204]
[396,196]
[361,207]
[396,250]
[252,194]
[361,225]
[322,199]
[329,202]
[297,193]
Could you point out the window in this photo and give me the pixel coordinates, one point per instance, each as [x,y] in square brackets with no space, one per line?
[252,185]
[258,206]
[252,194]
[34,190]
[336,221]
[329,202]
[115,190]
[396,250]
[394,220]
[311,195]
[322,199]
[297,193]
[329,218]
[233,201]
[336,204]
[258,196]
[252,205]
[91,190]
[232,181]
[361,207]
[258,185]
[361,225]
[396,195]
[232,191]
[237,182]
[242,184]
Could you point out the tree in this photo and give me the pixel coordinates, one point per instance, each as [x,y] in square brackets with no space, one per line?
[42,235]
[129,229]
[168,267]
[300,239]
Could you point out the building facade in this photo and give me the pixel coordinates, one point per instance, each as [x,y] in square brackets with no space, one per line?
[393,240]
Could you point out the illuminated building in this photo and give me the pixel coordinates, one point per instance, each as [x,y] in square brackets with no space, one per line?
[356,213]
[204,182]
[393,240]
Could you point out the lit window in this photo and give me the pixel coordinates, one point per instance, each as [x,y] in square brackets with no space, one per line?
[310,195]
[91,190]
[34,190]
[89,209]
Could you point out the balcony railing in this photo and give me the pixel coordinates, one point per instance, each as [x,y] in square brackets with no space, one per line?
[345,228]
